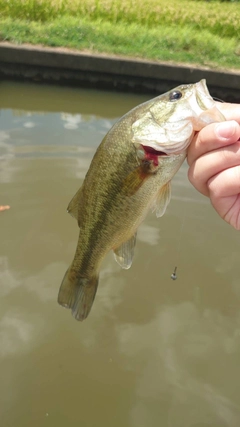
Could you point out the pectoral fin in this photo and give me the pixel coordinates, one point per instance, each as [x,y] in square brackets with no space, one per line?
[135,180]
[124,253]
[72,208]
[162,200]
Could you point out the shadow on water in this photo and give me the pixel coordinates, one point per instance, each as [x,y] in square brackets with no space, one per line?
[154,352]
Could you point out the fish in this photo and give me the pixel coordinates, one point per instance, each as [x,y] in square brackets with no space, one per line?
[129,175]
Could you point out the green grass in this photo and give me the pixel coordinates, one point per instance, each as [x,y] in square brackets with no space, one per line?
[200,32]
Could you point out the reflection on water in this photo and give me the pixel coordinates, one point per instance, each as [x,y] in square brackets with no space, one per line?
[153,352]
[175,351]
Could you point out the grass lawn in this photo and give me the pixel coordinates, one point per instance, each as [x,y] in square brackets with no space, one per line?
[188,31]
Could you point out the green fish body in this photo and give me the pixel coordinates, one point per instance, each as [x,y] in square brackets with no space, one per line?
[130,173]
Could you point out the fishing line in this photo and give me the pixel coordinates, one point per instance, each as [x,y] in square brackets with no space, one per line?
[174,274]
[217,99]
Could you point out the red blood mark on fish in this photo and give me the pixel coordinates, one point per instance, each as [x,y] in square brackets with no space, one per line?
[152,154]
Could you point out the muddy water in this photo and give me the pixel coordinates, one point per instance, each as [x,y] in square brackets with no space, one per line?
[154,352]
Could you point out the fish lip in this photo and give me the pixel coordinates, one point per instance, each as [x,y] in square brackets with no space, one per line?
[210,113]
[202,91]
[202,87]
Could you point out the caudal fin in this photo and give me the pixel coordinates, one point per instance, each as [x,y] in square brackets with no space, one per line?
[78,295]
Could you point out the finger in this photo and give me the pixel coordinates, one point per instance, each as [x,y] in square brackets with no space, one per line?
[212,137]
[212,163]
[224,192]
[225,183]
[230,111]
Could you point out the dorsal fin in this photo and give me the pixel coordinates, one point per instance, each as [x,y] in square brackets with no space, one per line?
[73,206]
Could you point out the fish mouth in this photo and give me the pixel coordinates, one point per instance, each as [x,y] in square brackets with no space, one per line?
[208,111]
[200,99]
[201,86]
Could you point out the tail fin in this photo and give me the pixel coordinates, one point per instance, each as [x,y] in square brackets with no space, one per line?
[78,295]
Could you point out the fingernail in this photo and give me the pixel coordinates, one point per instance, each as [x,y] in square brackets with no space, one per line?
[226,129]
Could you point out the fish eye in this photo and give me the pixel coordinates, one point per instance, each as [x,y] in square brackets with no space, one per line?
[175,95]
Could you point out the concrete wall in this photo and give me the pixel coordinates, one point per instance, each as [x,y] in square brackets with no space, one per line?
[70,67]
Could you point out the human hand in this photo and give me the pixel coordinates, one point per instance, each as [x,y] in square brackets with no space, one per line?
[214,160]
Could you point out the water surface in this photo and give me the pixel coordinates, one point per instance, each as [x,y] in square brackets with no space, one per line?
[153,352]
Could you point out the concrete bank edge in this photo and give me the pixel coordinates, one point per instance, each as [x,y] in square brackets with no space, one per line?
[66,65]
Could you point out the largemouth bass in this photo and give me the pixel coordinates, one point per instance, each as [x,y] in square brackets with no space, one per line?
[130,173]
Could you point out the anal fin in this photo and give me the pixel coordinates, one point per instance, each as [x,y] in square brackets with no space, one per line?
[124,253]
[72,208]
